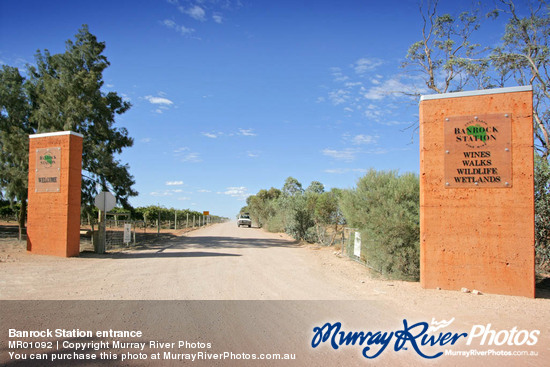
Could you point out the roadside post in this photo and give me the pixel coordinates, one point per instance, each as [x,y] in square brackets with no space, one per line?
[54,184]
[104,201]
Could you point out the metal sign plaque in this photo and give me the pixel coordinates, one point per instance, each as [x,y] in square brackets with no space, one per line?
[127,237]
[478,151]
[48,170]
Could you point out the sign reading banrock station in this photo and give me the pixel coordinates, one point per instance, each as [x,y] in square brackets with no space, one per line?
[477,209]
[478,151]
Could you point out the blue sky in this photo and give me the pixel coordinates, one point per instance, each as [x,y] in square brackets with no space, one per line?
[232,96]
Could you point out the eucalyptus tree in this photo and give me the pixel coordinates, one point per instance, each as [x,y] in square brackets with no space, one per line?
[445,56]
[64,92]
[15,128]
[524,57]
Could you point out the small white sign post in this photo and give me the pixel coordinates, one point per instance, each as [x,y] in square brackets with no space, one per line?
[357,245]
[104,201]
[127,233]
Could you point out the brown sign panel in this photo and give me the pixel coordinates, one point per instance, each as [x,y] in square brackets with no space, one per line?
[478,151]
[48,169]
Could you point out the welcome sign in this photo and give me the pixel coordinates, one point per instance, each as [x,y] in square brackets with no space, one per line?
[48,169]
[478,151]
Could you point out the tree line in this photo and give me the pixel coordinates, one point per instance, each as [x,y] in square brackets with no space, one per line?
[151,213]
[384,207]
[148,214]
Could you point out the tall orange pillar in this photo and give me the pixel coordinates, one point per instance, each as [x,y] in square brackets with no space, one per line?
[55,173]
[477,191]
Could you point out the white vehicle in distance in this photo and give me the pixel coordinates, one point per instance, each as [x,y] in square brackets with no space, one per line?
[244,220]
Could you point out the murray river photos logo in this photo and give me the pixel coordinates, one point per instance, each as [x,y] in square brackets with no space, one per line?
[423,338]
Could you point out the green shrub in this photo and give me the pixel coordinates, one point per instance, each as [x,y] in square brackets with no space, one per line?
[300,218]
[385,208]
[276,220]
[9,211]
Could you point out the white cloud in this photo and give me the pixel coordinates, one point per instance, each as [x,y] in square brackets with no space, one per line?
[374,112]
[391,87]
[237,192]
[197,13]
[364,139]
[184,198]
[246,132]
[162,104]
[363,65]
[210,135]
[217,18]
[180,150]
[145,140]
[178,28]
[338,75]
[392,122]
[339,96]
[344,155]
[339,171]
[252,154]
[187,156]
[160,193]
[166,192]
[174,183]
[169,23]
[203,191]
[217,134]
[159,100]
[353,84]
[377,151]
[191,157]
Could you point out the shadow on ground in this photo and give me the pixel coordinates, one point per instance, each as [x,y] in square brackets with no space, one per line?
[214,242]
[156,254]
[171,246]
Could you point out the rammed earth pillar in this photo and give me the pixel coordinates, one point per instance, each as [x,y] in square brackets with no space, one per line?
[55,173]
[477,191]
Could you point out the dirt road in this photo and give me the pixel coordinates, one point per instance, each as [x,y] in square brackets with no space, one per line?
[220,262]
[304,286]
